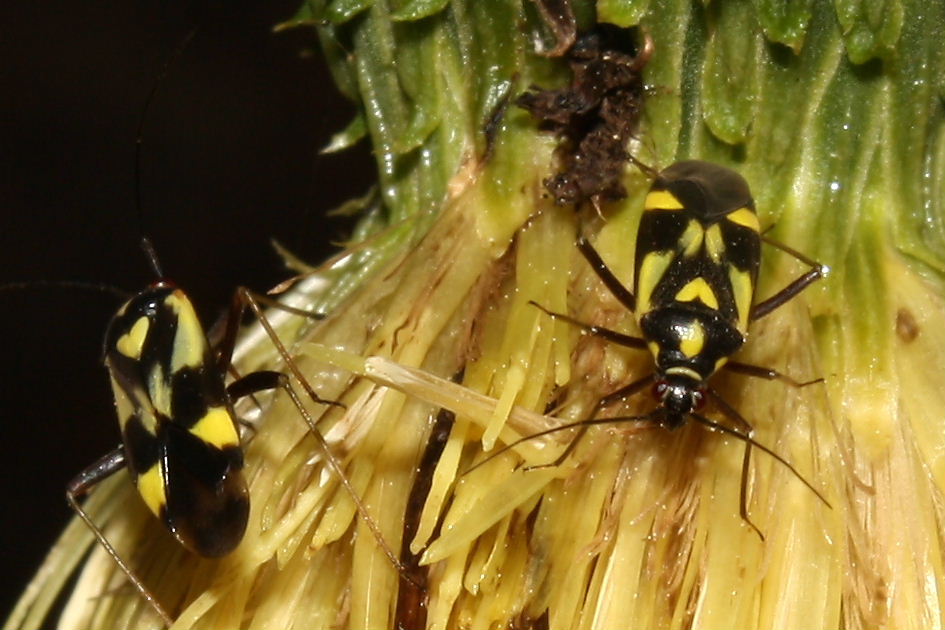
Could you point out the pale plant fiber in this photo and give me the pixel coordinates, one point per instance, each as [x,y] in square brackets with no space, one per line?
[640,527]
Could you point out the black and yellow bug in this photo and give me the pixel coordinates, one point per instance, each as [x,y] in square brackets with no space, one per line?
[180,438]
[698,254]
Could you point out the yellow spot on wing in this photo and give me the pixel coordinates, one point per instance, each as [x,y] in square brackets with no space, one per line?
[743,290]
[151,487]
[651,272]
[745,217]
[217,428]
[661,200]
[131,342]
[698,289]
[159,390]
[692,338]
[714,244]
[123,404]
[190,342]
[691,240]
[133,403]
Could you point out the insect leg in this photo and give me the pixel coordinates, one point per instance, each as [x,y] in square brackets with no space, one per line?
[81,484]
[623,295]
[277,379]
[620,394]
[758,371]
[243,298]
[598,331]
[557,429]
[730,412]
[225,341]
[800,283]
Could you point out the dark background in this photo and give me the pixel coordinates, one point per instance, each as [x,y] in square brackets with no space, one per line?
[229,161]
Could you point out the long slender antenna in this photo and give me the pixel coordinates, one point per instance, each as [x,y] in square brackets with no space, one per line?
[152,256]
[647,170]
[175,54]
[715,426]
[560,427]
[97,287]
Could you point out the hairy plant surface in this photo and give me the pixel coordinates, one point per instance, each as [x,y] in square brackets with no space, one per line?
[833,112]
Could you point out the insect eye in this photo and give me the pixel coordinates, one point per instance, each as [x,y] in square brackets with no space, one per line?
[659,389]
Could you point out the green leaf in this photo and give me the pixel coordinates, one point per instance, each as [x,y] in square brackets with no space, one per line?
[623,13]
[784,21]
[347,137]
[870,28]
[418,9]
[916,142]
[730,74]
[308,15]
[341,11]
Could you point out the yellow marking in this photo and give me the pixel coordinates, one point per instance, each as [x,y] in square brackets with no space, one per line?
[661,200]
[691,338]
[684,371]
[720,363]
[123,404]
[698,289]
[217,428]
[691,240]
[651,272]
[151,488]
[743,290]
[745,217]
[130,404]
[714,244]
[159,391]
[131,343]
[190,343]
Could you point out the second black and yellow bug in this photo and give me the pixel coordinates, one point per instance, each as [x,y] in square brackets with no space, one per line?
[180,439]
[698,254]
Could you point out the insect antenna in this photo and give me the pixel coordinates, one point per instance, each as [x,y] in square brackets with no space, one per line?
[81,285]
[152,256]
[139,133]
[648,170]
[562,427]
[248,298]
[738,435]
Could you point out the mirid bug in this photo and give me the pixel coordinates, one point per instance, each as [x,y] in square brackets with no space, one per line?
[180,440]
[698,254]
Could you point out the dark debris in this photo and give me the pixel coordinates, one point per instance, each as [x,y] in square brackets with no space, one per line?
[595,116]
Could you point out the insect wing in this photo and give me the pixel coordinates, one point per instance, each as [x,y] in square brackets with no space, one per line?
[698,243]
[207,500]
